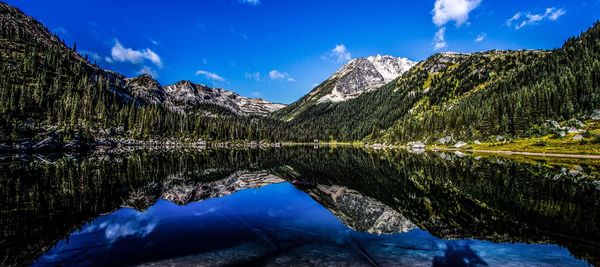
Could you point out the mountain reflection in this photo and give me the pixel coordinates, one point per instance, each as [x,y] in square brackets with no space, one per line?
[386,198]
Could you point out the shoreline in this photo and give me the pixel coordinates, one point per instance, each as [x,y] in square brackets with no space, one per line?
[155,144]
[521,153]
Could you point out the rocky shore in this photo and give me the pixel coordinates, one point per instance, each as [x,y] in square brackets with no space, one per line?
[52,142]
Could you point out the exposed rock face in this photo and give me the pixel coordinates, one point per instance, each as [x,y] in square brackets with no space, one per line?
[416,145]
[186,96]
[360,212]
[442,61]
[146,88]
[460,144]
[365,74]
[258,106]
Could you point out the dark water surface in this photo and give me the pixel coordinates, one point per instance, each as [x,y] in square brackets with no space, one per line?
[298,206]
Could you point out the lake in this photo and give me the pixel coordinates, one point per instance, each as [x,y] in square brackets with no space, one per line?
[298,206]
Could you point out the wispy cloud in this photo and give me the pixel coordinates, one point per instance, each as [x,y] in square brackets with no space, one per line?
[148,70]
[458,11]
[253,76]
[91,55]
[277,75]
[119,53]
[481,37]
[339,53]
[439,40]
[210,75]
[62,32]
[250,2]
[522,19]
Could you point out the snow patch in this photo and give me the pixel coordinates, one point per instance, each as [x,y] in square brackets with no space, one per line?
[362,75]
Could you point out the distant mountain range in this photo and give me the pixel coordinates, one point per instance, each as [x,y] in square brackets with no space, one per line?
[49,87]
[186,96]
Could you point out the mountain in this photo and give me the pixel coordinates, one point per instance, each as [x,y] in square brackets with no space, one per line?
[356,118]
[362,75]
[357,77]
[49,88]
[146,88]
[464,96]
[185,97]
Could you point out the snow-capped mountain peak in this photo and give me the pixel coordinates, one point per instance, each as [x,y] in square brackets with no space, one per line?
[365,74]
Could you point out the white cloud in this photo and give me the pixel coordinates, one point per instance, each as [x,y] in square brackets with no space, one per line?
[251,2]
[149,71]
[439,41]
[522,19]
[339,53]
[481,37]
[210,75]
[514,18]
[123,54]
[555,14]
[277,75]
[458,11]
[445,11]
[254,76]
[256,94]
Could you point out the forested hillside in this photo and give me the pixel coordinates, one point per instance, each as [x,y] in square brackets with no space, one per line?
[562,85]
[469,96]
[45,86]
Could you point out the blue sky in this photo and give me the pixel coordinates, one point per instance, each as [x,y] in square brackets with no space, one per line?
[279,49]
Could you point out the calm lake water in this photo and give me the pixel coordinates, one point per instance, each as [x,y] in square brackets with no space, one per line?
[298,206]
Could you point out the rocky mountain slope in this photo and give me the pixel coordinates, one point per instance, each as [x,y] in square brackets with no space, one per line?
[357,77]
[362,75]
[185,97]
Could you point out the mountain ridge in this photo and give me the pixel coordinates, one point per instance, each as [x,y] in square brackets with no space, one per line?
[186,96]
[353,79]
